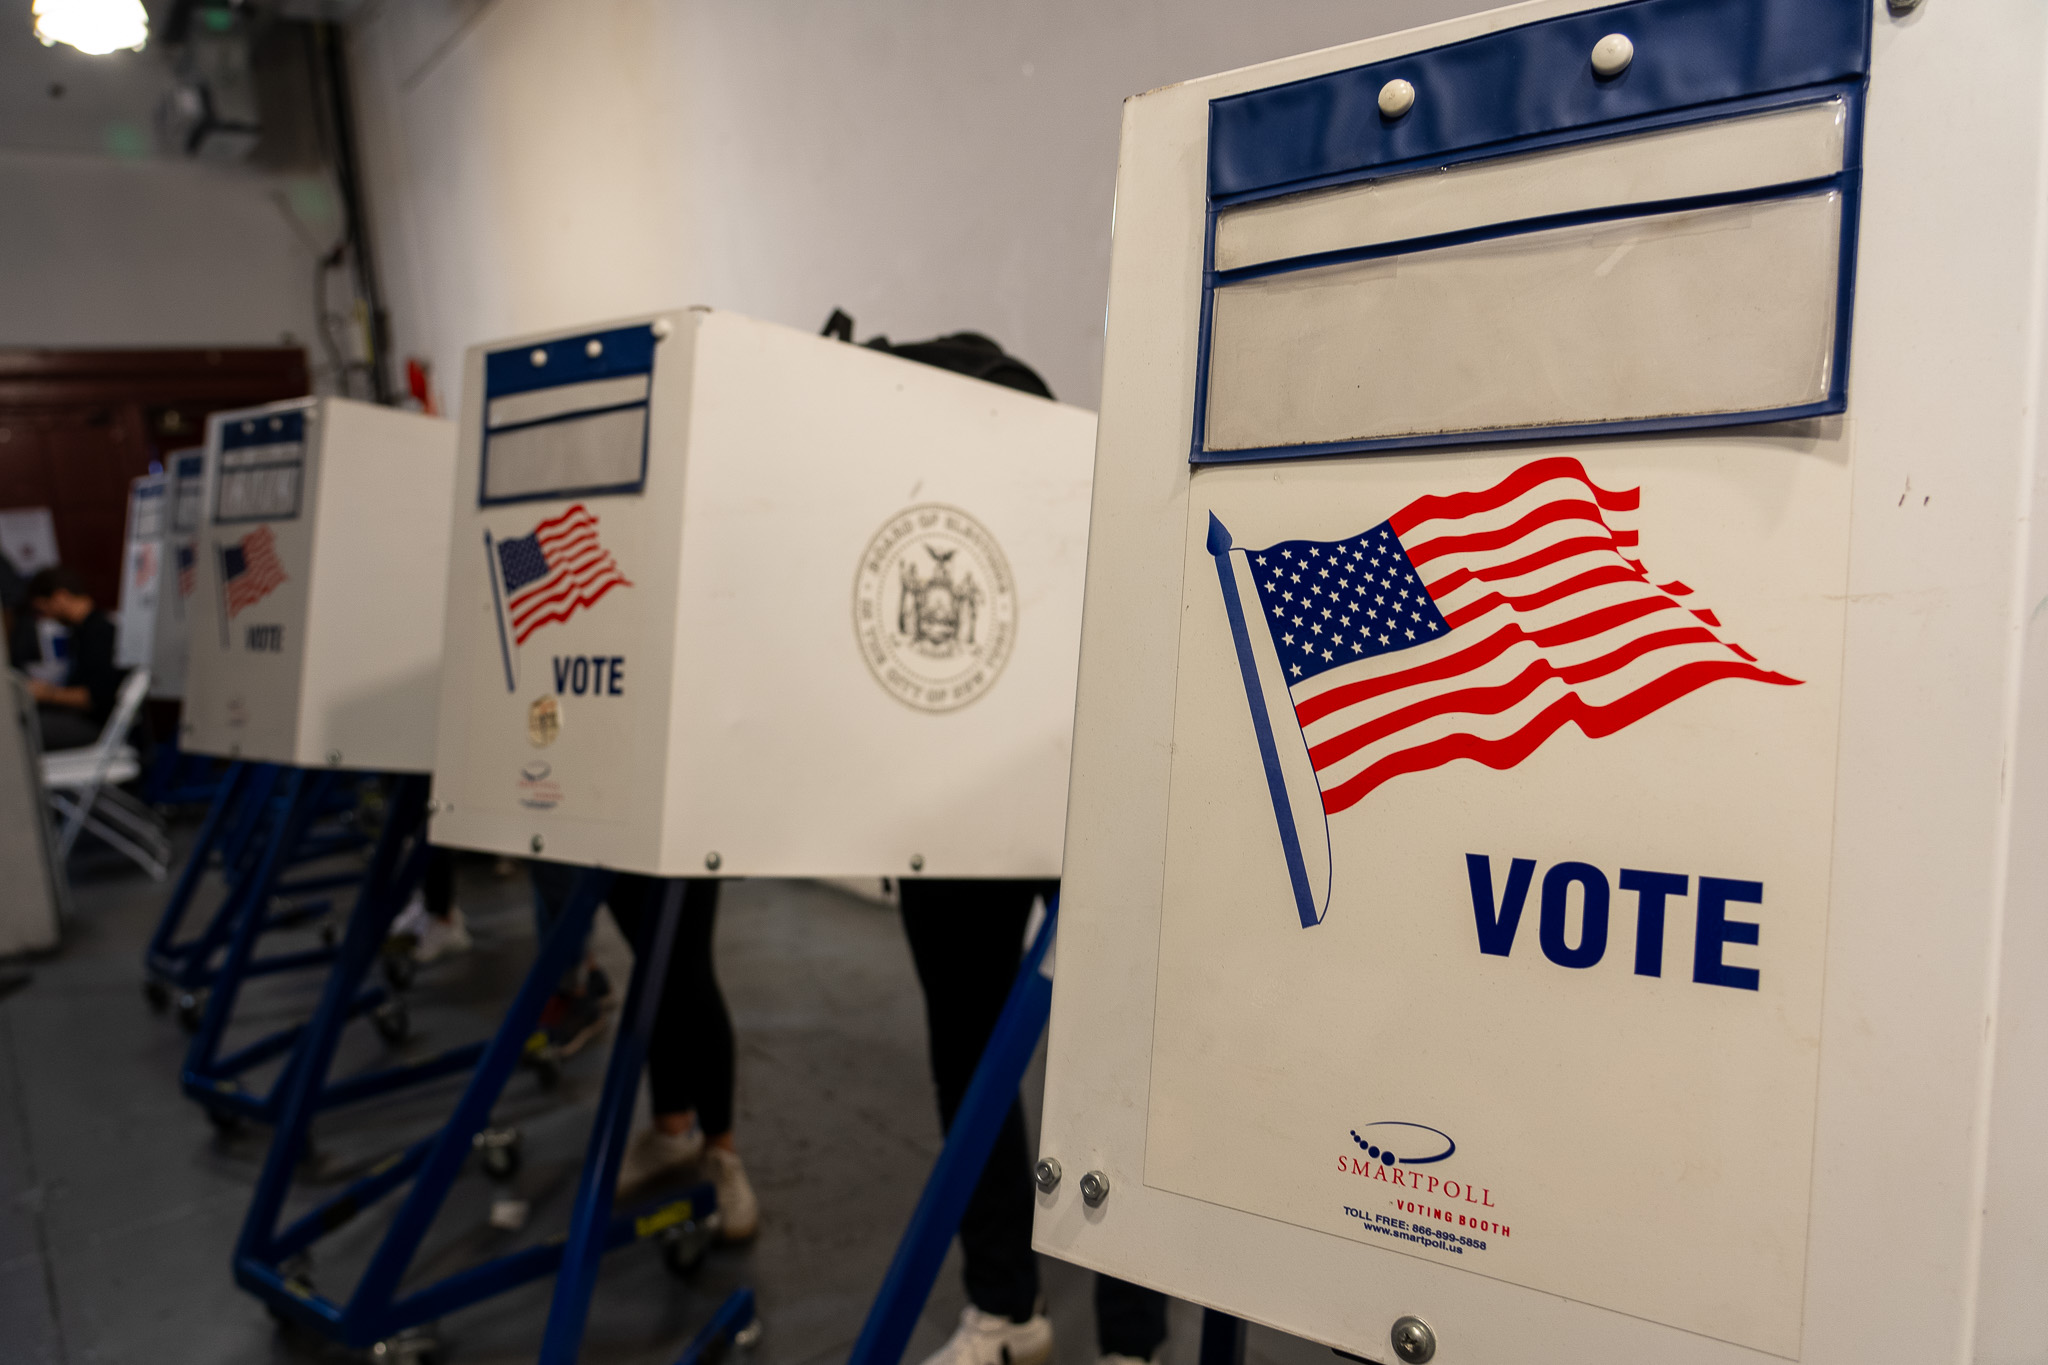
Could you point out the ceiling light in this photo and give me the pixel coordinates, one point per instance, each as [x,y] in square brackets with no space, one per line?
[94,26]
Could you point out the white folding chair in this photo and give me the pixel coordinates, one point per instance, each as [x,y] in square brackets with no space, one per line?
[84,787]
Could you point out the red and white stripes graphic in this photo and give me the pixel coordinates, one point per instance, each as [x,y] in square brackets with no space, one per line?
[262,572]
[580,571]
[1554,622]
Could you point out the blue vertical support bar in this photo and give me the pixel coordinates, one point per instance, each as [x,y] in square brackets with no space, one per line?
[247,920]
[372,1302]
[576,1278]
[299,1088]
[157,957]
[990,1094]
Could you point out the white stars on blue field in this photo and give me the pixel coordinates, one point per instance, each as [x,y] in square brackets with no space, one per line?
[1332,602]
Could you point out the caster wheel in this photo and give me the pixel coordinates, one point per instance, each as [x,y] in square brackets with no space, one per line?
[498,1149]
[157,994]
[192,1009]
[684,1246]
[414,1347]
[393,1021]
[399,970]
[748,1337]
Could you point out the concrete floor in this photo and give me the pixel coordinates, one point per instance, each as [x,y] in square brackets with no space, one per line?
[119,1204]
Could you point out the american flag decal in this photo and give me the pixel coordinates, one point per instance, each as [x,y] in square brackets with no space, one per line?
[555,571]
[250,570]
[187,564]
[1472,626]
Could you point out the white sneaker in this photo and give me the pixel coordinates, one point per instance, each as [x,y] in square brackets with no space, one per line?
[440,937]
[739,1211]
[653,1154]
[991,1339]
[411,921]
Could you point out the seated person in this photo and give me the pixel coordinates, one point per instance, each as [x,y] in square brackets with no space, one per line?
[74,711]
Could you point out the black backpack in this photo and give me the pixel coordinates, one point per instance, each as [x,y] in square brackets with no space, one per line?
[968,353]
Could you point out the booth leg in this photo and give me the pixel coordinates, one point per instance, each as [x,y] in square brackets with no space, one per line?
[937,1217]
[160,958]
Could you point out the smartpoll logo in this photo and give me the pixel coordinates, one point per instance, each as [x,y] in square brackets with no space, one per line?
[1389,1152]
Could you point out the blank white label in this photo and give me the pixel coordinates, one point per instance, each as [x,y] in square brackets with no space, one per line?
[270,494]
[1781,147]
[602,451]
[1706,311]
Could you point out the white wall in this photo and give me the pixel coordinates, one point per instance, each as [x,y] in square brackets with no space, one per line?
[928,165]
[107,241]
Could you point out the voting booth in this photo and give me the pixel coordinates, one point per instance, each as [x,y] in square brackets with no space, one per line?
[314,624]
[1555,862]
[37,892]
[141,565]
[184,503]
[724,597]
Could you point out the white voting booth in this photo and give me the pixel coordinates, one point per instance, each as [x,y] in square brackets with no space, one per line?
[1555,864]
[178,570]
[315,617]
[725,597]
[141,571]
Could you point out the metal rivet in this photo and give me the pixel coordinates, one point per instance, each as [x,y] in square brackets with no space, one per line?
[917,862]
[538,356]
[1414,1341]
[1397,97]
[433,807]
[661,328]
[536,844]
[1048,1174]
[1904,6]
[1612,54]
[277,424]
[334,758]
[593,348]
[1094,1188]
[712,860]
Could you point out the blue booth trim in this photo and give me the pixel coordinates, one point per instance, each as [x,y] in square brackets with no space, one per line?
[622,353]
[1528,88]
[262,429]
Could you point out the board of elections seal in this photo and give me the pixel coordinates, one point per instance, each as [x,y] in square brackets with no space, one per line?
[543,722]
[934,607]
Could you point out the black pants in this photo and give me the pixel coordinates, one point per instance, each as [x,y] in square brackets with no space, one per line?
[690,1056]
[437,883]
[967,938]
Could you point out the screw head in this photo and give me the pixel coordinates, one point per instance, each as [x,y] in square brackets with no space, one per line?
[1047,1173]
[1397,97]
[593,348]
[1904,6]
[1094,1188]
[538,356]
[1413,1339]
[917,862]
[536,845]
[334,758]
[712,860]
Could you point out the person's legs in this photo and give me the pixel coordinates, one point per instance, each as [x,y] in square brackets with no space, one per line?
[431,919]
[690,1056]
[967,940]
[575,1013]
[1129,1320]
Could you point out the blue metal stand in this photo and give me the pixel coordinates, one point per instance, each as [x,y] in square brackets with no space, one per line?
[990,1094]
[243,825]
[908,1284]
[375,1310]
[176,778]
[213,1076]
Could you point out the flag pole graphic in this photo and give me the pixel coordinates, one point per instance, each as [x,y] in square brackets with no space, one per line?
[220,562]
[1262,724]
[498,613]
